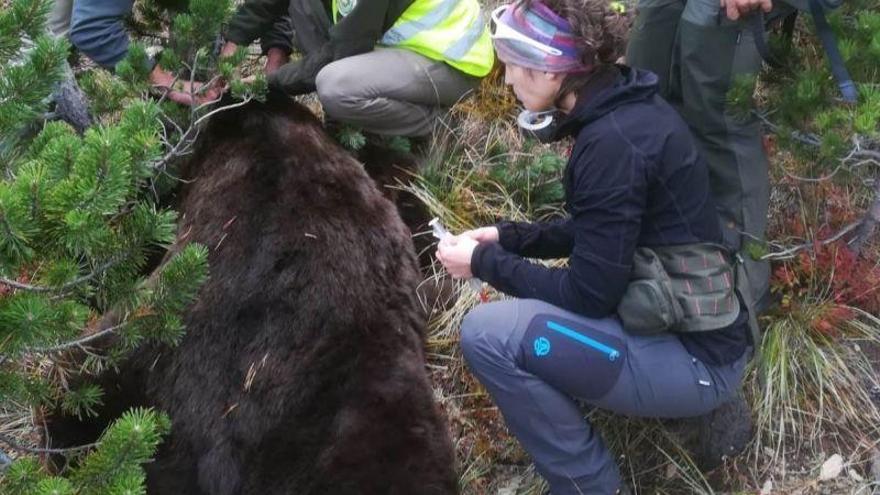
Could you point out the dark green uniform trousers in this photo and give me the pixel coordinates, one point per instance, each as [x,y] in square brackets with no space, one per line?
[697,54]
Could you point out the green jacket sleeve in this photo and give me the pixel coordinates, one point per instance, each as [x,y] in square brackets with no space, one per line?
[253,19]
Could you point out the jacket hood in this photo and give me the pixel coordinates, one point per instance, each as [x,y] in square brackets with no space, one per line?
[612,88]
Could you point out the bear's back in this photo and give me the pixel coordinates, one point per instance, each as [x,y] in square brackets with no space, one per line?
[302,364]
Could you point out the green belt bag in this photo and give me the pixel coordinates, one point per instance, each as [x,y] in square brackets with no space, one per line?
[687,288]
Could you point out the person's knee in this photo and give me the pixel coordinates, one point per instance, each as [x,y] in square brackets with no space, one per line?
[91,38]
[480,341]
[81,37]
[336,91]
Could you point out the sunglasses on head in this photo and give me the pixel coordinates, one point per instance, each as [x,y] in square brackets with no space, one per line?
[501,31]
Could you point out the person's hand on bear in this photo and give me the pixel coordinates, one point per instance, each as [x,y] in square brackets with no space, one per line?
[455,254]
[298,78]
[275,57]
[293,78]
[183,92]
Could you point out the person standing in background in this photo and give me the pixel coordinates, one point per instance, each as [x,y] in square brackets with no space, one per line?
[699,49]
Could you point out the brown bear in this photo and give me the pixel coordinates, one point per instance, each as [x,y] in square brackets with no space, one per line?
[302,369]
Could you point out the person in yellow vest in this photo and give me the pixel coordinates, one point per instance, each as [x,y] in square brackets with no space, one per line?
[386,66]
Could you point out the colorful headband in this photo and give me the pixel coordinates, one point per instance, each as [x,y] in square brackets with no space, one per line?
[535,37]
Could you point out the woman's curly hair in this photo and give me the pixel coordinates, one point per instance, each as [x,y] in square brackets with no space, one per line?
[600,26]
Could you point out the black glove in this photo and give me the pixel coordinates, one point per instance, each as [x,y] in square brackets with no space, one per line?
[297,78]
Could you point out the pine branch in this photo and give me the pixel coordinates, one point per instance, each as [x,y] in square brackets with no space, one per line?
[78,342]
[868,223]
[802,137]
[221,109]
[869,155]
[62,288]
[864,228]
[857,157]
[184,144]
[789,253]
[11,443]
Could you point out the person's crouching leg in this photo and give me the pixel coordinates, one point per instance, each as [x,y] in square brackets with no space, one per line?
[548,423]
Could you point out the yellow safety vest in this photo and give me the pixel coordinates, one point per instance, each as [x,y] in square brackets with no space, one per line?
[452,31]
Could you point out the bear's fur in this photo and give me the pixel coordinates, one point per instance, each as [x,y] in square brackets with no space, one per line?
[302,369]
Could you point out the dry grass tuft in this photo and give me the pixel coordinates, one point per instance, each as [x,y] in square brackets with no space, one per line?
[807,388]
[493,100]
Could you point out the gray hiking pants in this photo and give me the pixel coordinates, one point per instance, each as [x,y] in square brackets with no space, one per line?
[535,359]
[391,91]
[698,53]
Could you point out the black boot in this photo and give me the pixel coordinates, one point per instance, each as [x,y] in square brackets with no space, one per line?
[71,104]
[723,433]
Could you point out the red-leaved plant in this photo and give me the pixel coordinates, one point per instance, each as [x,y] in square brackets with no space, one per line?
[831,276]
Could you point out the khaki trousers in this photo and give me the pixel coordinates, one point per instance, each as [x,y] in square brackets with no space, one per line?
[391,91]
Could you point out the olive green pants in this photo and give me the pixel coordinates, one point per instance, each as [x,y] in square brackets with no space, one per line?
[697,54]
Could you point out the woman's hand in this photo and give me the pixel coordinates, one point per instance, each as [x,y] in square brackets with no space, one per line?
[483,234]
[455,254]
[741,8]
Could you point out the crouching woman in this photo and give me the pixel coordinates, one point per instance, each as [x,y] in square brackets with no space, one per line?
[645,319]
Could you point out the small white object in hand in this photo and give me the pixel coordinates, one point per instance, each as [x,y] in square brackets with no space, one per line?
[440,233]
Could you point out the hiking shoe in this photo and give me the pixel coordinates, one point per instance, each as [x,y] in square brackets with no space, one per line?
[723,433]
[71,104]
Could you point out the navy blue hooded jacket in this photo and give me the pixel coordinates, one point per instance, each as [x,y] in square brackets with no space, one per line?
[634,178]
